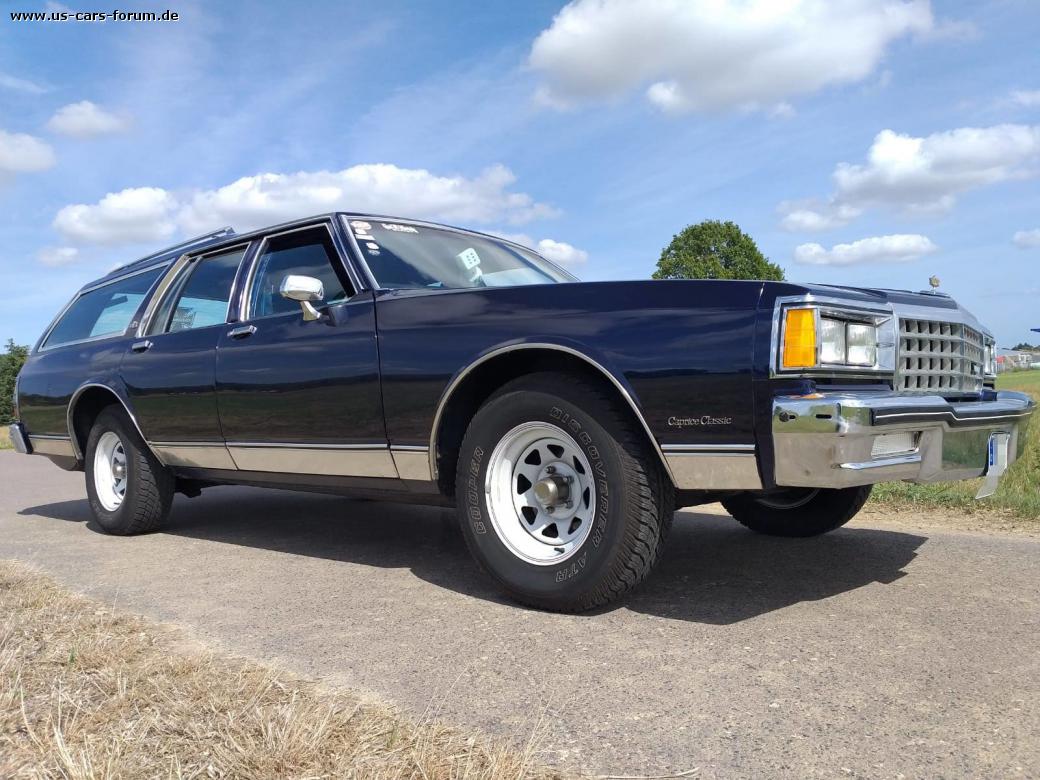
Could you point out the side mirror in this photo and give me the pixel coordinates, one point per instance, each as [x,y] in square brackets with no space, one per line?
[305,290]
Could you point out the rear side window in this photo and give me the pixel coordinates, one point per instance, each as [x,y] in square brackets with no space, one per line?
[105,311]
[201,298]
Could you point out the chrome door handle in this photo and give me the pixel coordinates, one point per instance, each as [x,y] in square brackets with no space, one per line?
[242,332]
[141,346]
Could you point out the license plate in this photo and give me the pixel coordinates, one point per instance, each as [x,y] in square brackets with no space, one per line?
[996,463]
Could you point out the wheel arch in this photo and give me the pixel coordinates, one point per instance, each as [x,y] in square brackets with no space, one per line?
[84,407]
[477,381]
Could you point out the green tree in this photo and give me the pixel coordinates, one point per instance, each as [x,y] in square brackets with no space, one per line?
[715,250]
[11,363]
[1025,346]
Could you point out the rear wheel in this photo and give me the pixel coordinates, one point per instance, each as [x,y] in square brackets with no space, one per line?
[129,491]
[798,511]
[559,499]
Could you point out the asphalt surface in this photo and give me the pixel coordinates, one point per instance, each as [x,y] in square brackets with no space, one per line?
[880,650]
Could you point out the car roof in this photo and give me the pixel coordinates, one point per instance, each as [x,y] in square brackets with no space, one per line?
[228,236]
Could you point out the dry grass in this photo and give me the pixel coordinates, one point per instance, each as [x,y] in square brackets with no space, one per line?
[5,440]
[1019,492]
[89,693]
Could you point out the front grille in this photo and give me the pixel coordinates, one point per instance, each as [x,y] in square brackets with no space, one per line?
[939,357]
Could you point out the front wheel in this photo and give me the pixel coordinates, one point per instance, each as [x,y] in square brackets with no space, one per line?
[559,499]
[798,511]
[129,491]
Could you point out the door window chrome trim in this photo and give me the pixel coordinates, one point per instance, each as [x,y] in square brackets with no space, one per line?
[244,308]
[41,344]
[461,375]
[71,409]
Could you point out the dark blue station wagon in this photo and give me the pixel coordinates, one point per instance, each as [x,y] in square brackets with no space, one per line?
[391,358]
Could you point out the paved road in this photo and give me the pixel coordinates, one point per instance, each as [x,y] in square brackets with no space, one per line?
[876,651]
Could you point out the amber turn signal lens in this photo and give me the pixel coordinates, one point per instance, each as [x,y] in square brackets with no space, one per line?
[799,339]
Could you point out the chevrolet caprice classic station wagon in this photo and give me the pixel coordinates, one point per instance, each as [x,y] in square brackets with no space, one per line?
[392,358]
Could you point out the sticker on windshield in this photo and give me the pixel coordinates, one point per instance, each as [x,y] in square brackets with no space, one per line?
[399,228]
[372,245]
[359,225]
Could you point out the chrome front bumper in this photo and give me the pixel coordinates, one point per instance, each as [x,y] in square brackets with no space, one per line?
[831,439]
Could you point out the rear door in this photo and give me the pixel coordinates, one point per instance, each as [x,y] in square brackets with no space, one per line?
[170,372]
[298,396]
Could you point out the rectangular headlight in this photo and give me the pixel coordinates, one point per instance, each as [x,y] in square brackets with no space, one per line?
[832,341]
[862,341]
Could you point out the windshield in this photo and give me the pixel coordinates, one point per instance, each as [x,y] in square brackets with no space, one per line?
[402,255]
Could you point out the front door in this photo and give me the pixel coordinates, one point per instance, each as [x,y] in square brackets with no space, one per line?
[299,396]
[170,372]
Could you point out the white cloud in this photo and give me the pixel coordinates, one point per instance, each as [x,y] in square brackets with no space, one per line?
[810,216]
[921,174]
[1027,239]
[558,251]
[21,153]
[898,248]
[1029,98]
[723,54]
[925,174]
[562,252]
[56,256]
[85,120]
[15,84]
[150,213]
[254,201]
[130,216]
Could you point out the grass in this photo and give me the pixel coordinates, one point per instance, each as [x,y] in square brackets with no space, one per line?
[86,692]
[1019,491]
[5,440]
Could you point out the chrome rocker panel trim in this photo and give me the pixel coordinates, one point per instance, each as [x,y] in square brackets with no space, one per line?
[337,460]
[713,466]
[825,440]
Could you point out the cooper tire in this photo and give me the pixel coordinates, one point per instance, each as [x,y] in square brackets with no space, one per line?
[129,491]
[798,513]
[624,500]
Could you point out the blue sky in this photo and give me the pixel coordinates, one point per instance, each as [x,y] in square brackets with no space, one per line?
[864,142]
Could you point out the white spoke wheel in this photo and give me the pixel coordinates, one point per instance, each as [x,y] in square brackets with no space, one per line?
[540,493]
[129,490]
[110,470]
[560,496]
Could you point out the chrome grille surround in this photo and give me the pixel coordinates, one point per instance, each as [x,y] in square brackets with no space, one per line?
[939,357]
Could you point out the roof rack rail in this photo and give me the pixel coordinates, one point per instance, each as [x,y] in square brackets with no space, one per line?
[224,231]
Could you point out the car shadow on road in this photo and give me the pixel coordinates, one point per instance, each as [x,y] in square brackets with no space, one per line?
[713,570]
